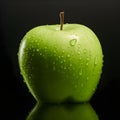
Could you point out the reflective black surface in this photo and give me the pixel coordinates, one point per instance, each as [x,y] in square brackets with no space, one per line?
[63,112]
[18,16]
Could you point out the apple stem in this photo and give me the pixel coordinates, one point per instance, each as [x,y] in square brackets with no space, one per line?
[61,20]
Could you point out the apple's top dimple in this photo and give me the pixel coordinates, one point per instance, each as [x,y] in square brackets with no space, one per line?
[66,27]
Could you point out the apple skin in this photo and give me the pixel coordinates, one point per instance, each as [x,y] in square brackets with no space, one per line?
[61,65]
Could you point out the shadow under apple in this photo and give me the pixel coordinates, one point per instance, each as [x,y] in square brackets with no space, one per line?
[83,111]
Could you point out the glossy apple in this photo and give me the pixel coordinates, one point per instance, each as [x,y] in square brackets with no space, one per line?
[61,65]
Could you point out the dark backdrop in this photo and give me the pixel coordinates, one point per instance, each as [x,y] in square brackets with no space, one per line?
[18,16]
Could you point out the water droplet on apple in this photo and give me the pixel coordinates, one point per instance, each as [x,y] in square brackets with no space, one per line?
[93,89]
[81,84]
[54,68]
[73,42]
[79,46]
[87,64]
[80,73]
[61,62]
[95,62]
[46,47]
[64,60]
[40,53]
[29,77]
[34,50]
[44,55]
[32,55]
[37,50]
[87,78]
[88,58]
[54,51]
[76,86]
[79,52]
[65,68]
[80,58]
[68,55]
[84,50]
[70,65]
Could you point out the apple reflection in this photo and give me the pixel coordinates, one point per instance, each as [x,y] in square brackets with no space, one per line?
[63,112]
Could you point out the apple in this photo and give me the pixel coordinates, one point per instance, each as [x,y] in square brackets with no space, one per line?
[61,65]
[63,112]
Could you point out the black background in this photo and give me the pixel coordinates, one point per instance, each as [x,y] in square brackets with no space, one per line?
[18,16]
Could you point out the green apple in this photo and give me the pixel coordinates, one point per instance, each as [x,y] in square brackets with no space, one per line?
[63,112]
[61,65]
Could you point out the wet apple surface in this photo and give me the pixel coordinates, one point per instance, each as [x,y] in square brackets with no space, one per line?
[61,65]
